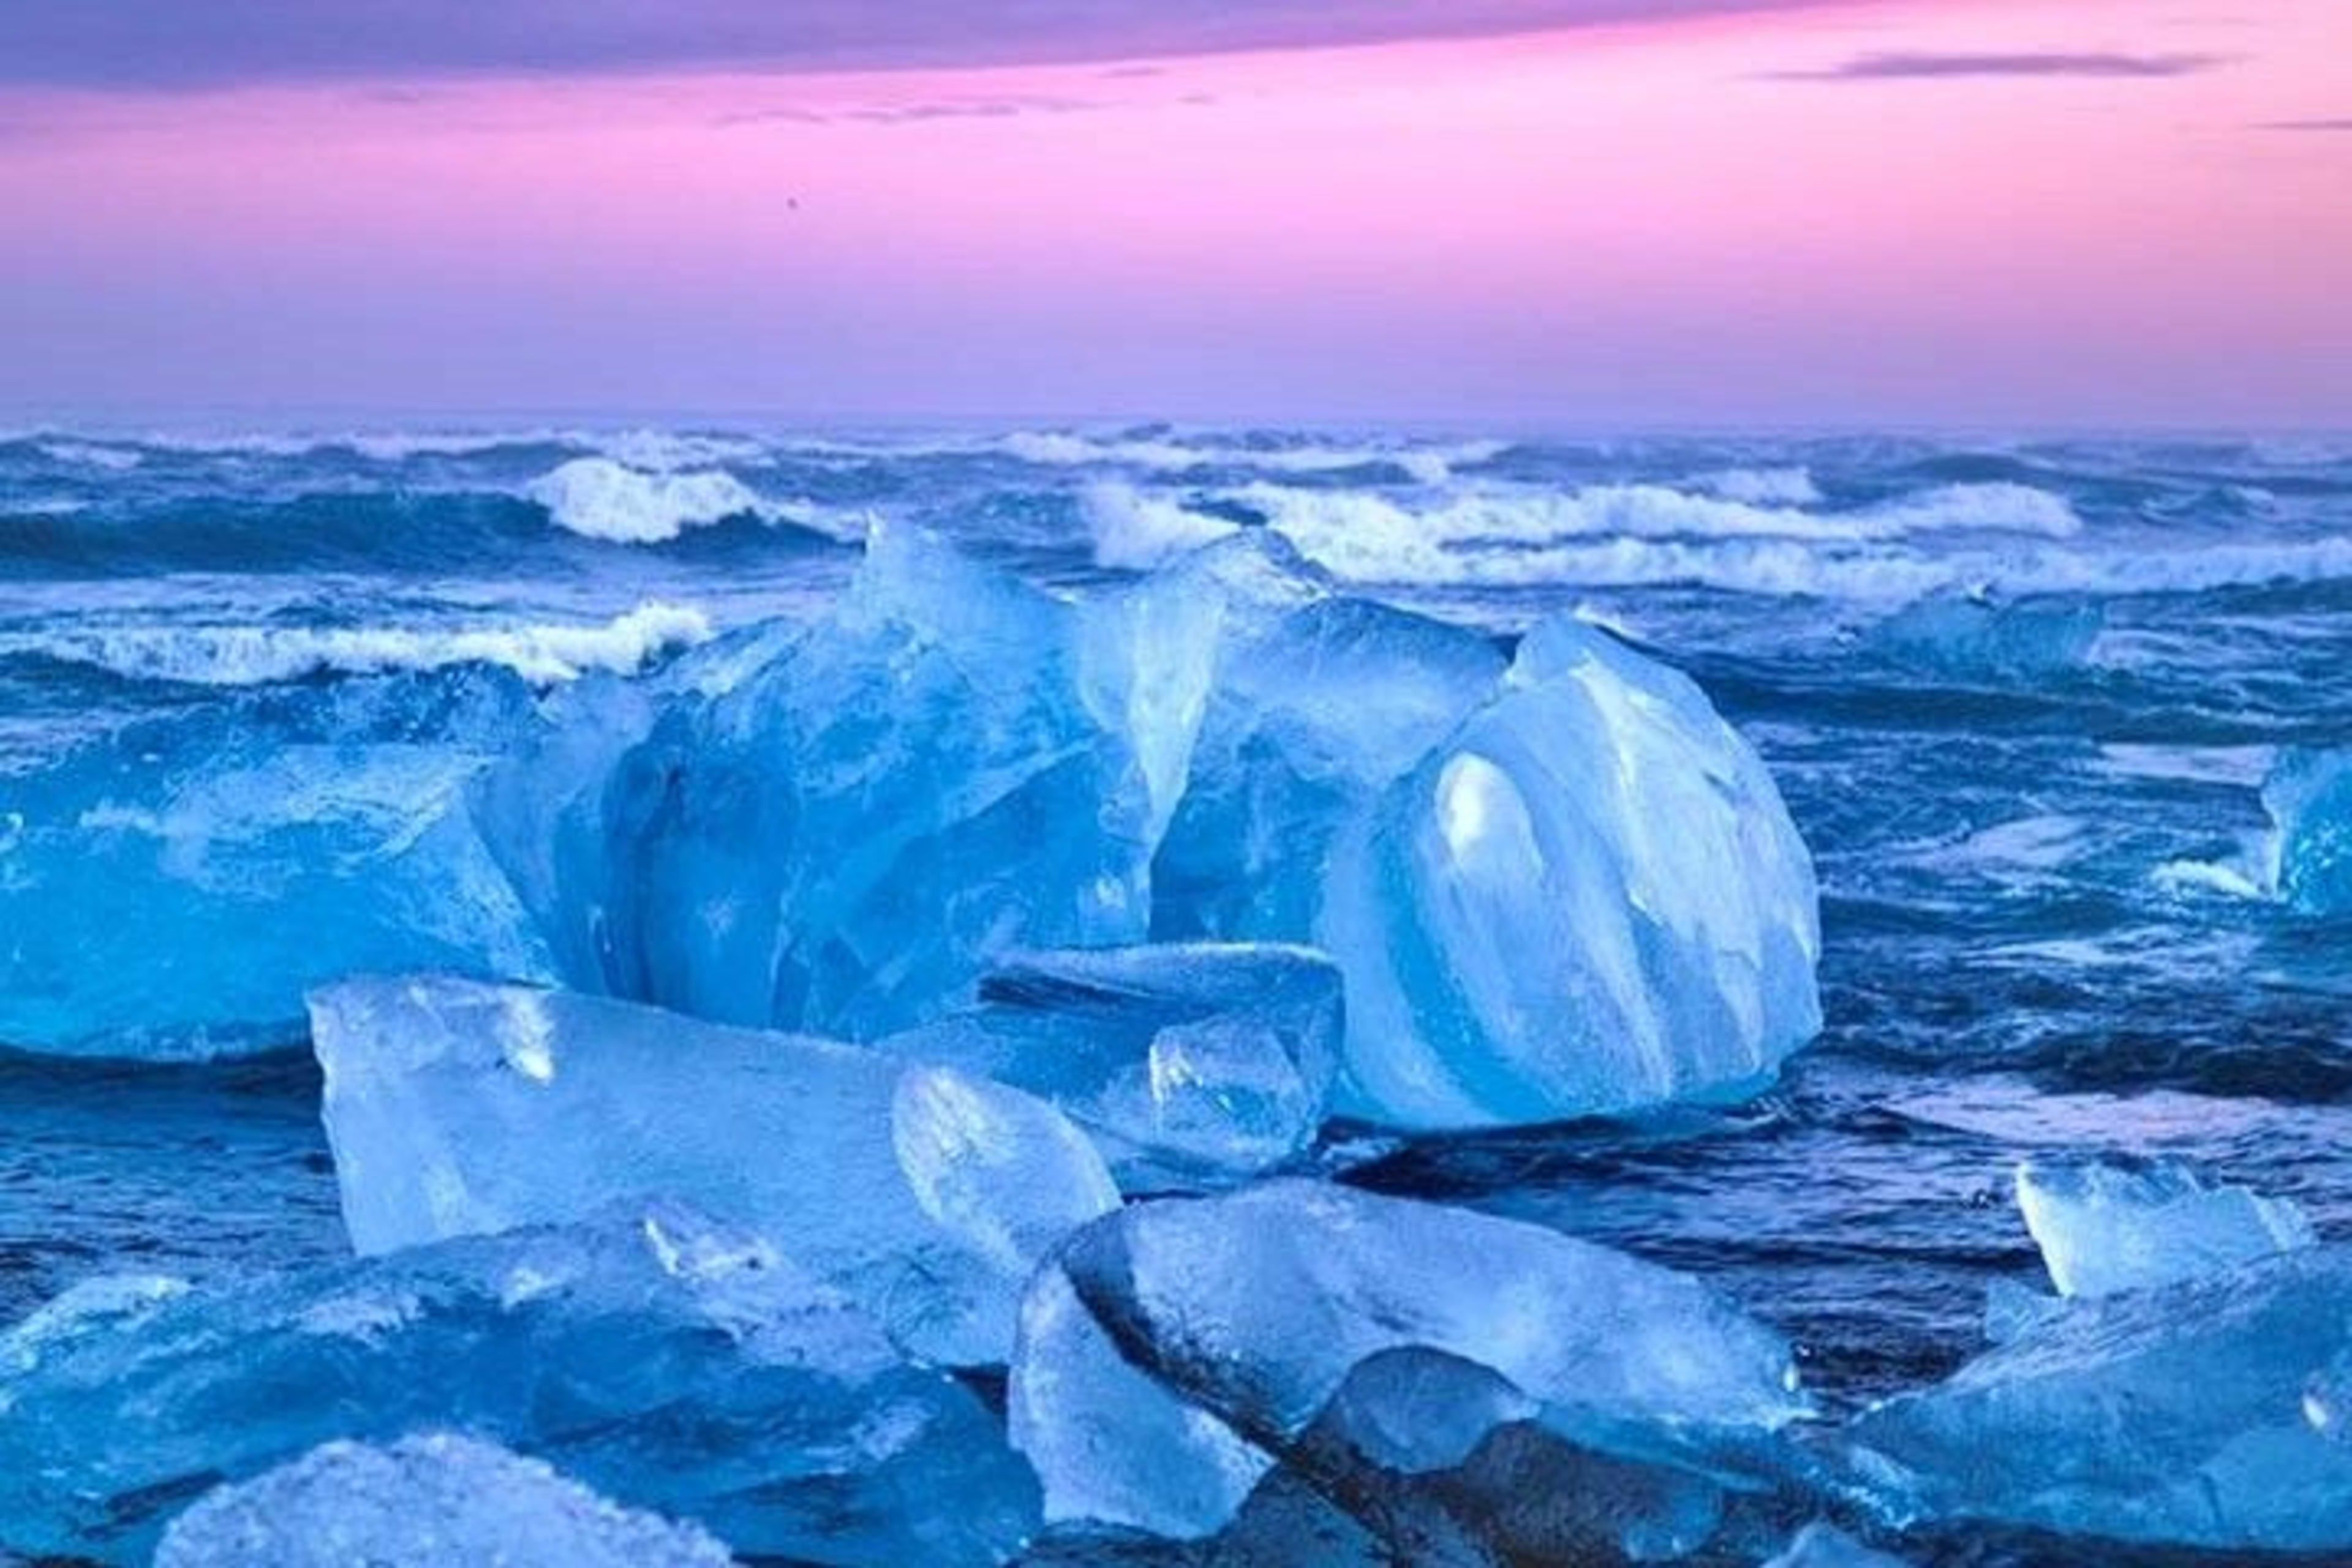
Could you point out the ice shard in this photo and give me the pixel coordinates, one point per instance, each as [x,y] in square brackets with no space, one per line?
[1170,1354]
[2209,1413]
[457,1107]
[2309,798]
[668,1362]
[2104,1229]
[1189,1065]
[426,1502]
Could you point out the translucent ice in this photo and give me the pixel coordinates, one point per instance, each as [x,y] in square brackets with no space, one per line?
[2309,798]
[169,890]
[2205,1413]
[1171,1353]
[457,1107]
[426,1502]
[2104,1229]
[1589,898]
[1189,1064]
[1958,634]
[1826,1546]
[845,839]
[667,1361]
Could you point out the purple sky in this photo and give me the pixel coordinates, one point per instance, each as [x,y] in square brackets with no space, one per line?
[1586,212]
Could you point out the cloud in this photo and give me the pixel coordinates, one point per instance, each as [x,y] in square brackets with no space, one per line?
[918,113]
[2320,125]
[169,45]
[1902,66]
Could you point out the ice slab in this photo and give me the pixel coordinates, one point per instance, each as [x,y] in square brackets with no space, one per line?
[2207,1413]
[2104,1229]
[1589,900]
[1189,1065]
[426,1502]
[458,1107]
[1173,1352]
[2309,798]
[1826,1546]
[665,1360]
[169,890]
[1958,634]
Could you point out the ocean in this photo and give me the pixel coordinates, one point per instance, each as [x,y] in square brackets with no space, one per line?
[2021,697]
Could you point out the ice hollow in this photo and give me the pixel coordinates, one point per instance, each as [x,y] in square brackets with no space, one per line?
[458,1107]
[425,1502]
[1189,1064]
[1170,1354]
[2106,1228]
[668,1362]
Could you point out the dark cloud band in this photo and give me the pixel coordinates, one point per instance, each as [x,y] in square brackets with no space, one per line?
[1920,66]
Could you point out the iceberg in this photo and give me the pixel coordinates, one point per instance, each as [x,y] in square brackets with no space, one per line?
[1173,1354]
[664,1360]
[2106,1228]
[172,889]
[1189,1065]
[457,1107]
[2207,1413]
[845,837]
[425,1502]
[1589,900]
[2309,798]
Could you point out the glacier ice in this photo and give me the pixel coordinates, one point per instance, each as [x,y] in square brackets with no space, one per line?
[2309,798]
[2207,1413]
[664,1360]
[844,839]
[1822,1545]
[1171,1353]
[426,1502]
[458,1107]
[1591,898]
[2103,1228]
[1959,634]
[1189,1064]
[173,888]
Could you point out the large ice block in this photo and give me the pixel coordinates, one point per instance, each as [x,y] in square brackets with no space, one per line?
[1189,1064]
[665,1360]
[457,1107]
[1171,1353]
[845,838]
[1591,898]
[169,890]
[1958,635]
[2104,1229]
[427,1502]
[2207,1413]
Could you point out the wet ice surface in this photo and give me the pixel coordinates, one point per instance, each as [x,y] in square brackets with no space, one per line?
[2047,923]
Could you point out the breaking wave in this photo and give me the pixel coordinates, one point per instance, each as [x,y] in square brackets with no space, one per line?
[598,497]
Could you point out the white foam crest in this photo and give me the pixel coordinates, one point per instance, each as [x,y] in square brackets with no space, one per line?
[1134,532]
[1762,487]
[90,455]
[598,497]
[1429,464]
[251,655]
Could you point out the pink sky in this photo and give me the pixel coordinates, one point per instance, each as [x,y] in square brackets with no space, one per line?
[1653,225]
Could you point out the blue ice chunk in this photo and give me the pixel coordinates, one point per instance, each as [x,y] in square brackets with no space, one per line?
[1960,634]
[2309,798]
[171,890]
[1171,1353]
[2206,1413]
[426,1502]
[665,1361]
[1589,898]
[2103,1228]
[1189,1064]
[458,1108]
[845,839]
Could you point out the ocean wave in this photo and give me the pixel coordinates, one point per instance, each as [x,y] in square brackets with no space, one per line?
[544,654]
[1762,487]
[1428,464]
[112,458]
[599,498]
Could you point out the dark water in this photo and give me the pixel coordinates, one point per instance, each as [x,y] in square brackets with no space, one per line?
[2037,818]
